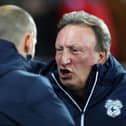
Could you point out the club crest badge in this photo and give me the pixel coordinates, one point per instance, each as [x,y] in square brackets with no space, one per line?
[113,107]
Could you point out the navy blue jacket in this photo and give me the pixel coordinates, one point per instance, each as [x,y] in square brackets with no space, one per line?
[105,97]
[27,99]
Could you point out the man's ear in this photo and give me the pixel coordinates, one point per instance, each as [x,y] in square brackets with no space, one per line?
[28,43]
[102,57]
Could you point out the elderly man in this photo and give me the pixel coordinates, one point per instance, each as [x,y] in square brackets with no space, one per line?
[88,79]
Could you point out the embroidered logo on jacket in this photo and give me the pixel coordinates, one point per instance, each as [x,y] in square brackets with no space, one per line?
[113,108]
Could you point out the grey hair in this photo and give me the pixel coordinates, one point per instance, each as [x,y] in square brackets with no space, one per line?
[14,23]
[83,18]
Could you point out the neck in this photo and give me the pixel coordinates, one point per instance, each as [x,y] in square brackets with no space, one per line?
[79,94]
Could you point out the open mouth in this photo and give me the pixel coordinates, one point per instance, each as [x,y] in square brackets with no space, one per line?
[63,71]
[65,74]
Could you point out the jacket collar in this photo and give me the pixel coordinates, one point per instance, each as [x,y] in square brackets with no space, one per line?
[106,78]
[10,59]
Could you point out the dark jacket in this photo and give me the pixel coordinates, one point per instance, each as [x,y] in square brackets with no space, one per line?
[27,99]
[105,96]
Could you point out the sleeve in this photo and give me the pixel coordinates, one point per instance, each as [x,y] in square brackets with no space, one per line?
[46,107]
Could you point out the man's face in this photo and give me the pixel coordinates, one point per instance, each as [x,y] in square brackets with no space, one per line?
[75,55]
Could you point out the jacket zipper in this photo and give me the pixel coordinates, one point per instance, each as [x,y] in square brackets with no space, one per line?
[74,102]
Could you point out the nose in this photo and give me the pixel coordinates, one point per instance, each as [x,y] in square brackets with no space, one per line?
[65,58]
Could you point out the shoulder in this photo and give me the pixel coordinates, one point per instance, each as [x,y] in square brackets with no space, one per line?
[30,78]
[37,65]
[49,67]
[35,86]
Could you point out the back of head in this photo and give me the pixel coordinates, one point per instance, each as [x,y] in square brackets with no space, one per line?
[15,23]
[83,18]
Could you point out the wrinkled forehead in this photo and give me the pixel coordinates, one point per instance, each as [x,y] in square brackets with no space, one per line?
[76,34]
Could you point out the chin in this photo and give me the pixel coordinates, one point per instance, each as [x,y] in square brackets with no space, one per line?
[67,83]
